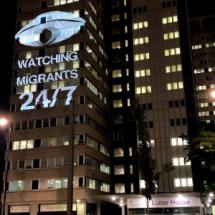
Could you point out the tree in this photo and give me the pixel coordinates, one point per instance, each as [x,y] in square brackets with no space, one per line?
[145,162]
[201,151]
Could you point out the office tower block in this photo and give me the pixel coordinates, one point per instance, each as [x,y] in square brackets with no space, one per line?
[59,99]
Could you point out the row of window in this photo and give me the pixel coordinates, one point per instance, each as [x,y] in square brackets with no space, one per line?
[203,70]
[120,169]
[55,162]
[206,113]
[169,86]
[58,142]
[178,122]
[60,2]
[41,123]
[56,183]
[206,104]
[52,162]
[178,182]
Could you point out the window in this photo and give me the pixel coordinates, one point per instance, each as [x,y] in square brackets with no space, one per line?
[143,90]
[173,51]
[16,185]
[35,185]
[117,88]
[142,73]
[119,188]
[115,18]
[180,161]
[170,19]
[140,40]
[141,56]
[118,152]
[171,35]
[178,141]
[139,25]
[119,170]
[183,182]
[117,103]
[142,184]
[175,85]
[116,73]
[173,68]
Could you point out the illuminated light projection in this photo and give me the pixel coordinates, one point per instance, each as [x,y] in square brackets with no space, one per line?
[47,60]
[45,78]
[48,28]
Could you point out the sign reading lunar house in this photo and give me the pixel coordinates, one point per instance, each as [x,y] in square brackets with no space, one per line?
[47,29]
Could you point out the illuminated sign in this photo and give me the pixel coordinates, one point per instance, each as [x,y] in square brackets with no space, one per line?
[49,28]
[46,29]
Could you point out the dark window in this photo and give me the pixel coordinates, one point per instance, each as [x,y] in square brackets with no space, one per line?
[170,104]
[176,103]
[38,123]
[178,122]
[37,143]
[81,160]
[150,106]
[184,121]
[17,126]
[81,139]
[53,122]
[172,122]
[43,4]
[31,124]
[34,185]
[144,106]
[21,164]
[81,99]
[81,119]
[80,182]
[150,124]
[24,125]
[66,122]
[182,102]
[45,123]
[12,108]
[36,163]
[43,20]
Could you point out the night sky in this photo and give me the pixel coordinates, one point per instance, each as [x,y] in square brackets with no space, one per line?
[7,41]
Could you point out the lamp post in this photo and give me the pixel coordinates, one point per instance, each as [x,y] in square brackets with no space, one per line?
[71,162]
[4,125]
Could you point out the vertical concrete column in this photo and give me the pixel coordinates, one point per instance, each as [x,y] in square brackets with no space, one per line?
[98,209]
[123,210]
[34,208]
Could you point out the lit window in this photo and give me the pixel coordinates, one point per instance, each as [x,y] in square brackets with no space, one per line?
[119,170]
[117,103]
[142,184]
[116,73]
[177,141]
[118,152]
[119,188]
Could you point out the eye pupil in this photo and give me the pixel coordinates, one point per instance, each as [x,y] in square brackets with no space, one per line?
[45,36]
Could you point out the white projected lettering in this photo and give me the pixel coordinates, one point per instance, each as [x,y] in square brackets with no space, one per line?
[45,78]
[47,60]
[49,28]
[43,100]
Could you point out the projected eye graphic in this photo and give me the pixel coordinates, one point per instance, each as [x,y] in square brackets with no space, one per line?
[49,28]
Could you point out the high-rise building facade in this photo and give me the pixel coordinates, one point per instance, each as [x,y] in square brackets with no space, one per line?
[49,117]
[148,59]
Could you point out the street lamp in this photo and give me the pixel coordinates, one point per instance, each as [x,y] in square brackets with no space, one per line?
[71,162]
[4,125]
